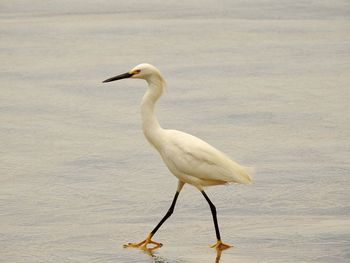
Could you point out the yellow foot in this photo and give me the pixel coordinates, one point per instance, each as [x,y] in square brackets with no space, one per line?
[220,246]
[143,244]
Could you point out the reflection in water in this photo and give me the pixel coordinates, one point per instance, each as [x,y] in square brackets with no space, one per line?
[218,255]
[159,259]
[151,252]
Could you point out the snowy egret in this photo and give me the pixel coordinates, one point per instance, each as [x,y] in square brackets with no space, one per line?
[190,159]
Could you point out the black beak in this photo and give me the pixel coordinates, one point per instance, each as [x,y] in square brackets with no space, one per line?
[121,76]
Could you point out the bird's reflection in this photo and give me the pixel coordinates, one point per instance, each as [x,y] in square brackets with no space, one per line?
[155,256]
[158,259]
[219,252]
[218,255]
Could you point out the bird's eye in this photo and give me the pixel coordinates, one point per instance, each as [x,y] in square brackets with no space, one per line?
[137,71]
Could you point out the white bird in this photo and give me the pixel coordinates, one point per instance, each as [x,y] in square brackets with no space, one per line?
[190,159]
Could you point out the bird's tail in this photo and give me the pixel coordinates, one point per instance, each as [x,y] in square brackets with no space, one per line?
[245,175]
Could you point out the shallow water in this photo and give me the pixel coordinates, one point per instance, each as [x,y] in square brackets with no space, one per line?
[266,83]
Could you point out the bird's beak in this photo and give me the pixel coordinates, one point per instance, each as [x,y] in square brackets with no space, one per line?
[121,76]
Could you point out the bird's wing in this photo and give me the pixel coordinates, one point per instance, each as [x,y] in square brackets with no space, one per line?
[193,156]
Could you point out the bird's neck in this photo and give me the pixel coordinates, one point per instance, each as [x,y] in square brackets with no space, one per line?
[150,124]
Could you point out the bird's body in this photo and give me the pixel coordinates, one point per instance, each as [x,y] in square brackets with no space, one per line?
[190,159]
[197,163]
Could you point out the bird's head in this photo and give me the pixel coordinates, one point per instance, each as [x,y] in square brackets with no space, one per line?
[142,71]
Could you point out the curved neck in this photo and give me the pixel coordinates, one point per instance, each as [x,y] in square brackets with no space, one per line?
[150,124]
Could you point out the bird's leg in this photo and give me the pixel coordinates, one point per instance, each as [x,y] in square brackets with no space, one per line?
[219,245]
[143,244]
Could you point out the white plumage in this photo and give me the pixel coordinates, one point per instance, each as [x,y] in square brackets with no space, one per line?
[190,159]
[197,163]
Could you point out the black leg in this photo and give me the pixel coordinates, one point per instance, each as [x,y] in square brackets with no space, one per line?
[213,212]
[167,215]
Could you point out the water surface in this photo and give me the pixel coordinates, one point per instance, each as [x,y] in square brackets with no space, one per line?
[267,83]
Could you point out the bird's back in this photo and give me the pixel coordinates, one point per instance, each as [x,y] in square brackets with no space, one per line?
[187,155]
